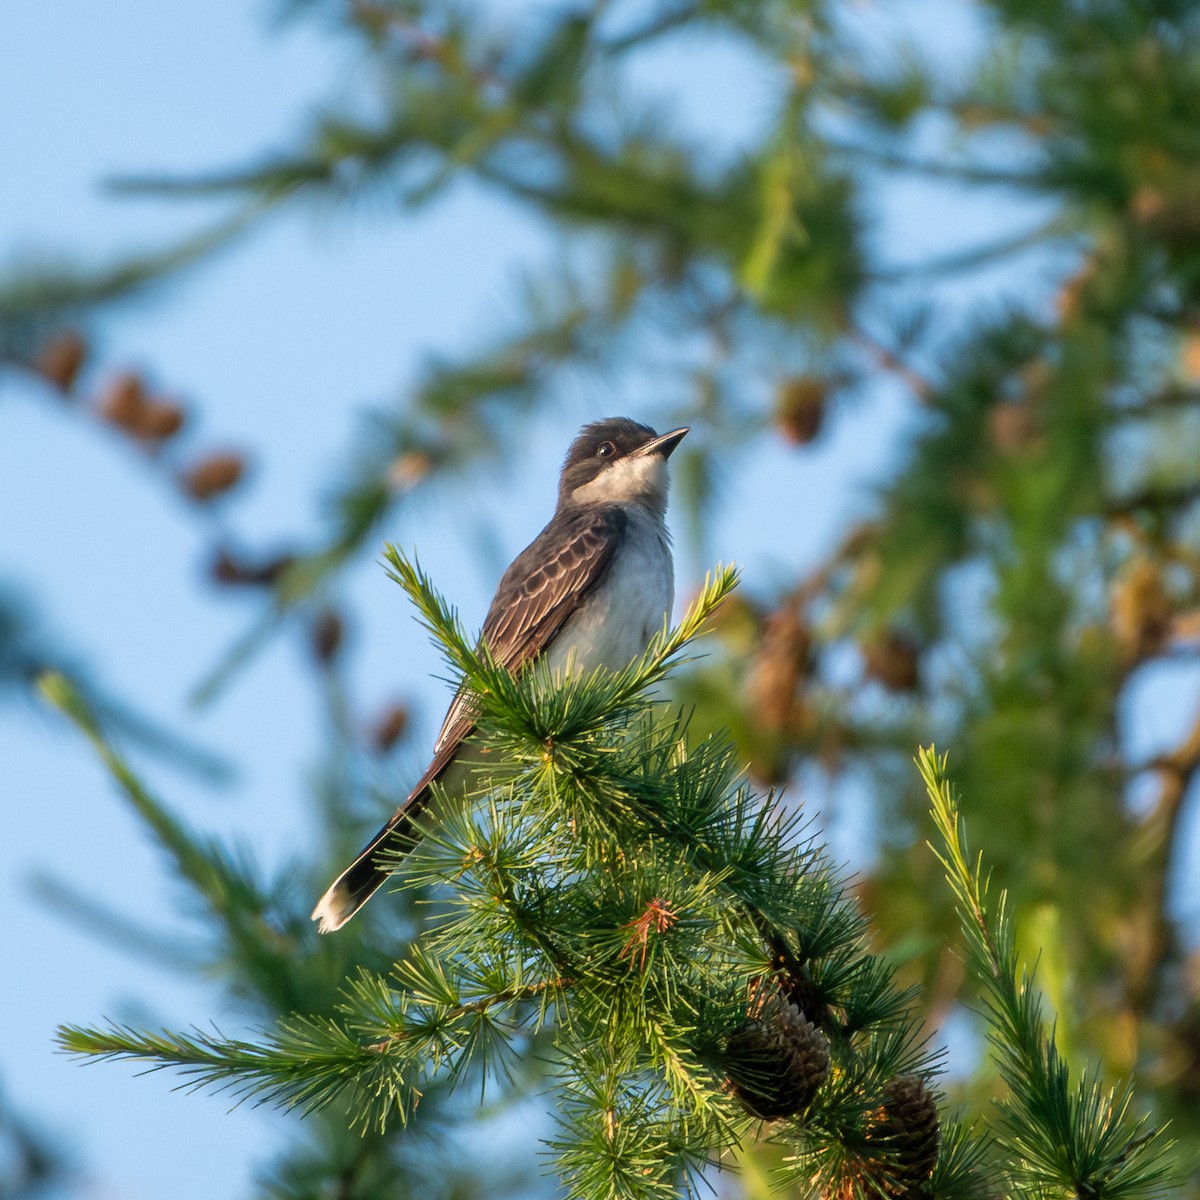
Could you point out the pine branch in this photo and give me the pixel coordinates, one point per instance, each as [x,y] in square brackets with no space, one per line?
[375,1062]
[26,655]
[614,893]
[163,948]
[307,1063]
[751,849]
[252,945]
[666,21]
[229,889]
[40,297]
[1062,1136]
[1009,246]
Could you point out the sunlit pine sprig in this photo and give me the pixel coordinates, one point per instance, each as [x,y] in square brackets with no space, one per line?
[1060,1136]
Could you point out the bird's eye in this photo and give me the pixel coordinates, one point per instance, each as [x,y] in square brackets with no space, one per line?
[606,450]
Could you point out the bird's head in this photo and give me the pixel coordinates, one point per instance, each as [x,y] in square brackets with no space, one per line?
[618,461]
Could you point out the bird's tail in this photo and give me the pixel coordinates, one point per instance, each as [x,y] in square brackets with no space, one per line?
[367,873]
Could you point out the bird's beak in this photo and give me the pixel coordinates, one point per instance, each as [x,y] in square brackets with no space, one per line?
[663,444]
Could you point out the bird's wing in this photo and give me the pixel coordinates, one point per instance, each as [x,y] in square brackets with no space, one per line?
[536,597]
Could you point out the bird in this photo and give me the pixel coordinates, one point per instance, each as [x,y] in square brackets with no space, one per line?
[591,590]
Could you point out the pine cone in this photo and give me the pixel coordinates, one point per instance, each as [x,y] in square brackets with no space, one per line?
[213,476]
[779,667]
[389,728]
[122,401]
[234,571]
[776,1061]
[408,470]
[800,408]
[60,359]
[326,635]
[159,420]
[907,1126]
[894,661]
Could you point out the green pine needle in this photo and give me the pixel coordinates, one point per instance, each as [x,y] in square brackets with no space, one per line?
[1060,1136]
[303,1062]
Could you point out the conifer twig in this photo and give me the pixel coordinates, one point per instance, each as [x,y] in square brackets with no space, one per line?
[477,666]
[1061,1136]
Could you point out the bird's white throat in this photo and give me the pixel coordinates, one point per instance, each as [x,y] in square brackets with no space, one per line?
[634,479]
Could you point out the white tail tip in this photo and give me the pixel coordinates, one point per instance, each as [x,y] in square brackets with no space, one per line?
[334,908]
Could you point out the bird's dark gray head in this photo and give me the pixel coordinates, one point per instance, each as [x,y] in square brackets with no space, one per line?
[618,461]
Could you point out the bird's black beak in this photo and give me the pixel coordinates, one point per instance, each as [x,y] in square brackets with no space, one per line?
[664,443]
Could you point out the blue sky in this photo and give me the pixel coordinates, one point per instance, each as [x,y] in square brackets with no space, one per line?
[280,343]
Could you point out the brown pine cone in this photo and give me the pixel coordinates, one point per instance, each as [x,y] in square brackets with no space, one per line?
[60,359]
[213,476]
[231,569]
[893,659]
[1013,427]
[389,728]
[122,401]
[326,635]
[780,665]
[800,408]
[907,1127]
[159,420]
[776,1061]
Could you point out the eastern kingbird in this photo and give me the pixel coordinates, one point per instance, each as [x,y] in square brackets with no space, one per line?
[591,591]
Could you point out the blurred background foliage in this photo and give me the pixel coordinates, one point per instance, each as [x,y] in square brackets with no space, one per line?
[1024,587]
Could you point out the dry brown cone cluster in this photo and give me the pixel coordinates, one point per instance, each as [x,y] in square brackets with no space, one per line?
[1013,427]
[893,660]
[1069,301]
[776,1060]
[800,404]
[409,469]
[774,689]
[126,404]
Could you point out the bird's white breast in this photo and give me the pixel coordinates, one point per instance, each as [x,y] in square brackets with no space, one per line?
[617,621]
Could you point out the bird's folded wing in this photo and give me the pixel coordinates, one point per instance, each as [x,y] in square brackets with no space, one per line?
[538,594]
